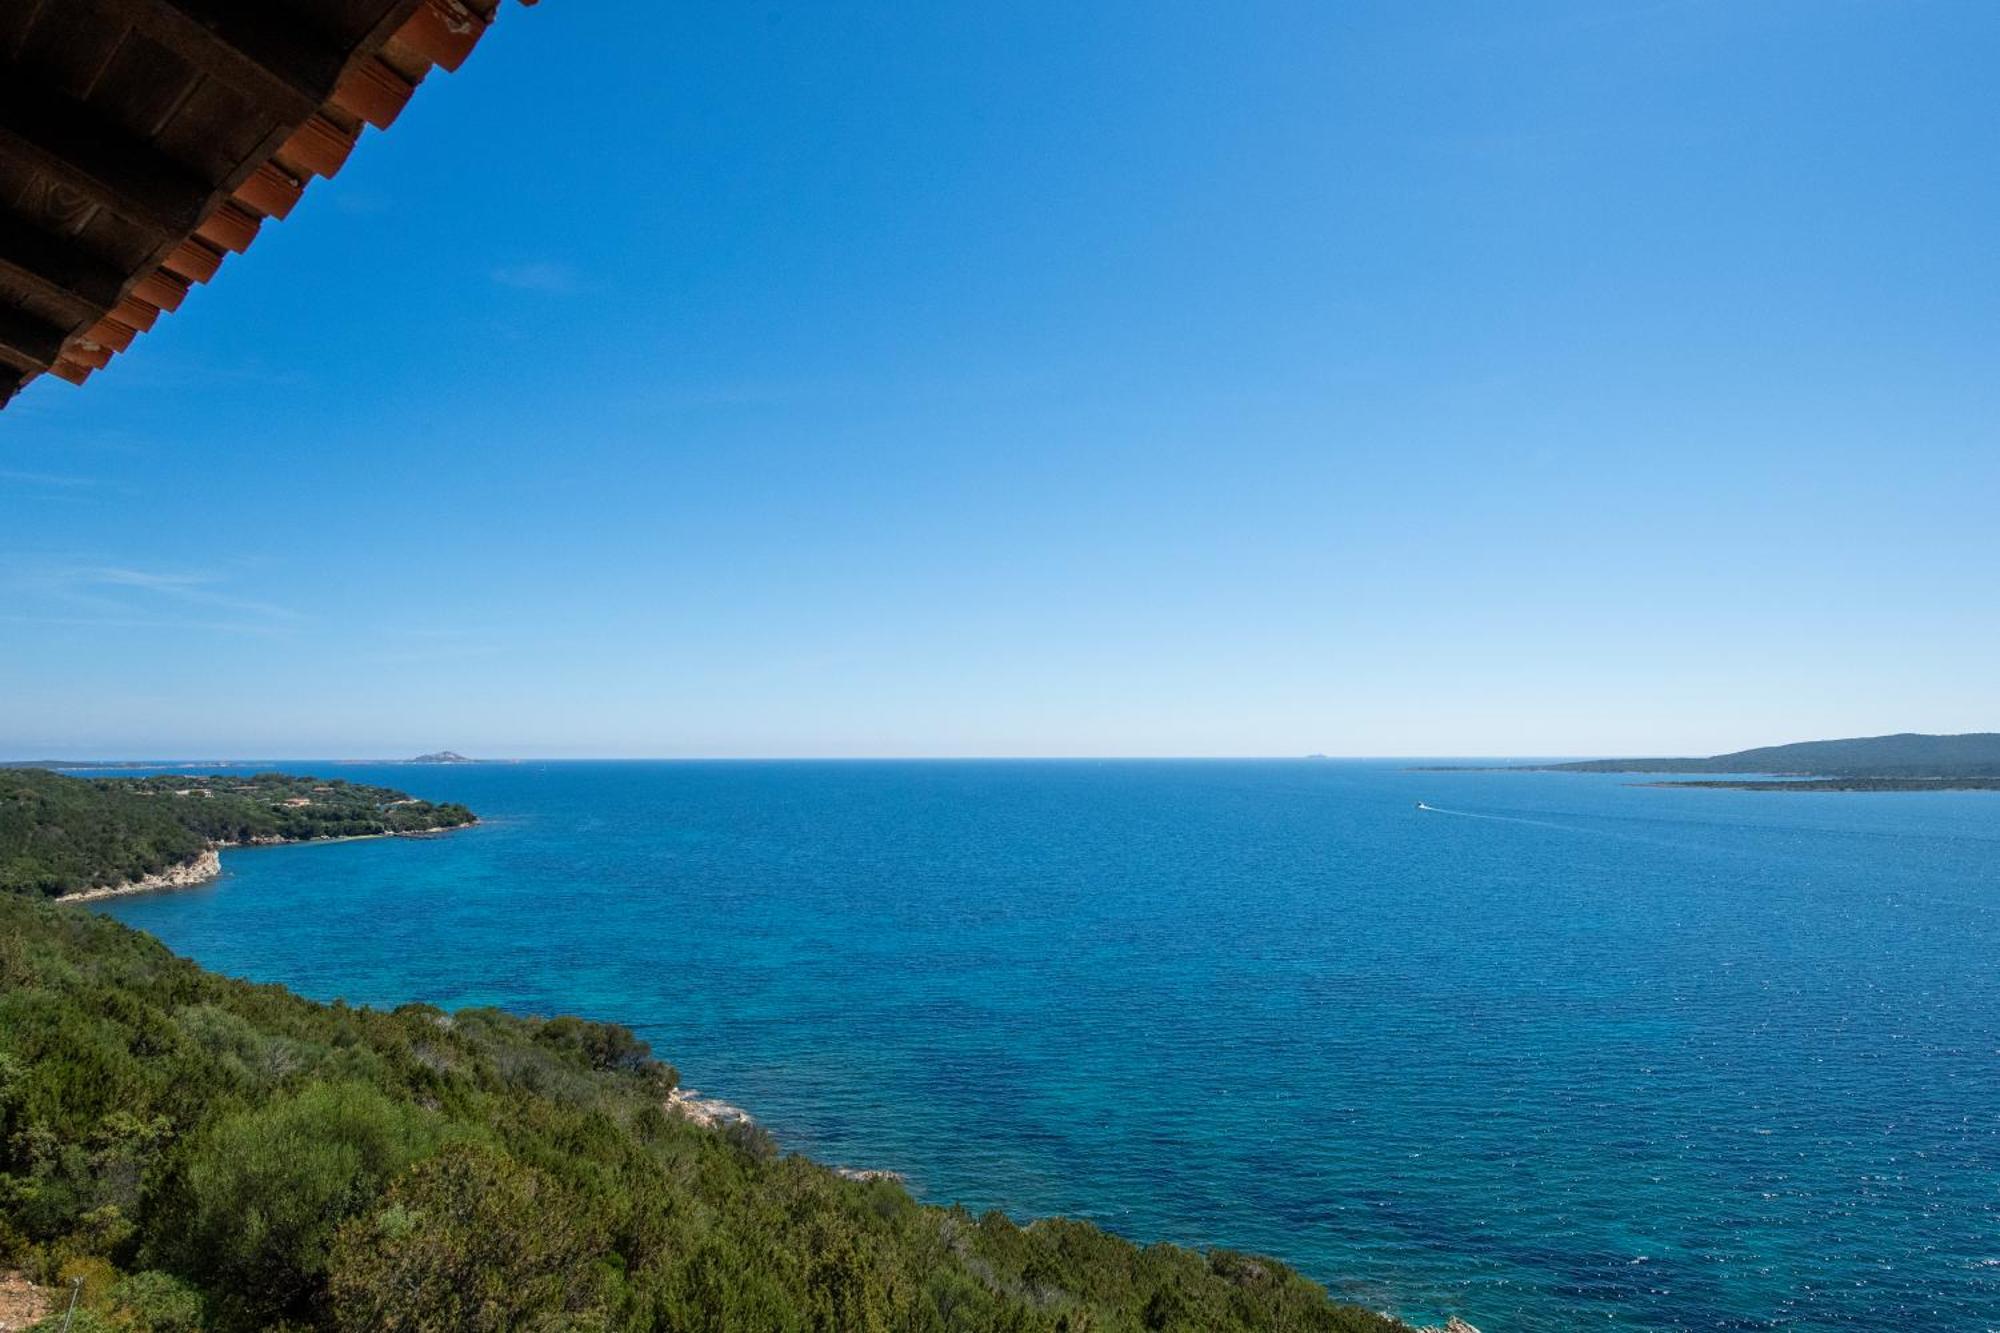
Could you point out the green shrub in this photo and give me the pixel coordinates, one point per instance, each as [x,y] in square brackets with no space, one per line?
[269,1187]
[83,1321]
[466,1240]
[604,1046]
[151,1302]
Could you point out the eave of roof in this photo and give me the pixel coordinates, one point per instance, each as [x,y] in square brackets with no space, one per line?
[142,141]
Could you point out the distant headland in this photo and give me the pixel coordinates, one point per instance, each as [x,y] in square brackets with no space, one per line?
[443,757]
[1906,761]
[72,838]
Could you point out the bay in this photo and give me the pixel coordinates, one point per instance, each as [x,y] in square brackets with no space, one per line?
[1562,1052]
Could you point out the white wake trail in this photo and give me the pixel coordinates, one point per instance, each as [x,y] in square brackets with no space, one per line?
[1510,819]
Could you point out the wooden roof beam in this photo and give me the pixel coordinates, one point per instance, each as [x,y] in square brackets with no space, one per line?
[57,268]
[254,46]
[26,343]
[66,142]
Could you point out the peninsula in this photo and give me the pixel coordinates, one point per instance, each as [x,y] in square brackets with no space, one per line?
[91,837]
[1906,761]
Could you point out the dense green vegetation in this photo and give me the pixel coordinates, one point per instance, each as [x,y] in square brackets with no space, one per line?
[205,1153]
[59,834]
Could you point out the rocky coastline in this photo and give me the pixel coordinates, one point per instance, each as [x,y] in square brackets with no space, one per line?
[207,865]
[186,875]
[714,1113]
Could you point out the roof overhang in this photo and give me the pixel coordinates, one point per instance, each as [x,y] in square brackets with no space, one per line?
[142,141]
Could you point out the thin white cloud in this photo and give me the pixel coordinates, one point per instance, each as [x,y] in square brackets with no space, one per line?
[142,622]
[443,653]
[405,645]
[1608,15]
[120,595]
[192,589]
[53,479]
[539,276]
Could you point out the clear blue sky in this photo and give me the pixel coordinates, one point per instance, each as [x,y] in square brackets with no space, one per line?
[1130,378]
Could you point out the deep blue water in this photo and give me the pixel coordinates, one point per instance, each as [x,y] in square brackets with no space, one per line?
[1565,1054]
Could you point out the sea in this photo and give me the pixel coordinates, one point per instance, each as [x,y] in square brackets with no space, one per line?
[1560,1052]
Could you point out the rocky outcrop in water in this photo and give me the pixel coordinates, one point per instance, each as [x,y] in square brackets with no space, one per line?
[708,1112]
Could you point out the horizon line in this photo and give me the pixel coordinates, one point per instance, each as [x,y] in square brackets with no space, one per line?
[82,762]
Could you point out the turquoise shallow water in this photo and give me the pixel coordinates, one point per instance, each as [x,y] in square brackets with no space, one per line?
[1562,1054]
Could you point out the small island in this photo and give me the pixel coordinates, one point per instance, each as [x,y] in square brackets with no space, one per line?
[442,757]
[92,837]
